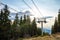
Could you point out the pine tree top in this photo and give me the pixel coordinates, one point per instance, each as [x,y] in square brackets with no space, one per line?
[59,11]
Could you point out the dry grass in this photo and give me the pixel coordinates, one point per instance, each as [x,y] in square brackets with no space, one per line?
[41,38]
[51,37]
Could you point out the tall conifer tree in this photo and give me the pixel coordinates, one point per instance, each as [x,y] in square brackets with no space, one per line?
[5,24]
[34,27]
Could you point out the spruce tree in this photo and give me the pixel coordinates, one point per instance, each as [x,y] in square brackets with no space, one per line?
[28,19]
[59,20]
[28,22]
[16,21]
[21,20]
[34,27]
[1,18]
[24,19]
[55,27]
[15,27]
[5,24]
[52,31]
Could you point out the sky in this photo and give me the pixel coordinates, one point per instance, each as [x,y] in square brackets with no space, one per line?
[46,7]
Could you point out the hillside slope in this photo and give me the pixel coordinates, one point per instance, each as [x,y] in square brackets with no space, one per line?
[41,38]
[51,37]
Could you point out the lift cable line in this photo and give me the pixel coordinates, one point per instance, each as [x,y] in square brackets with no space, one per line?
[28,6]
[37,7]
[41,21]
[33,11]
[38,20]
[8,7]
[11,8]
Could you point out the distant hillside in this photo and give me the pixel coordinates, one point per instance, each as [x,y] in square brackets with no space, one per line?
[12,15]
[47,30]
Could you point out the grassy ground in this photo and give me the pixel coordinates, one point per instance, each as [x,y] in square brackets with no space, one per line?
[51,37]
